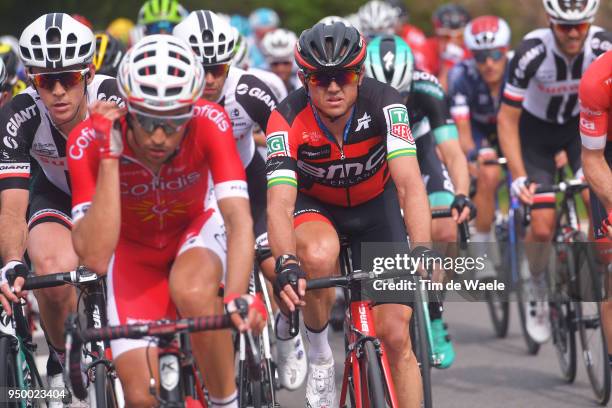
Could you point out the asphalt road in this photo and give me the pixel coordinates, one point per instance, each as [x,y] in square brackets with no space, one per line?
[488,372]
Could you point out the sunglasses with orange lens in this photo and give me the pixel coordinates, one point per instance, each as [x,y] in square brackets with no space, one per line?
[324,79]
[566,28]
[67,79]
[217,70]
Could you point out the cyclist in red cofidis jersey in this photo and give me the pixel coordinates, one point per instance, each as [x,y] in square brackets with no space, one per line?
[140,177]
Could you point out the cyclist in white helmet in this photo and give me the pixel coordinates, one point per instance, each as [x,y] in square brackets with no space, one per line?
[5,85]
[57,52]
[377,18]
[175,263]
[278,47]
[249,103]
[539,117]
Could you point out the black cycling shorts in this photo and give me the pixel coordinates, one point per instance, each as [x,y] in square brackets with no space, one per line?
[540,141]
[256,180]
[47,202]
[440,190]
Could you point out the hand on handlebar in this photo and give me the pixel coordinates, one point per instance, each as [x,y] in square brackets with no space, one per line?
[289,278]
[524,189]
[8,292]
[247,312]
[462,209]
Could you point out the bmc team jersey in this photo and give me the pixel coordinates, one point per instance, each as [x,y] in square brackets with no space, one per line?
[247,100]
[155,208]
[29,133]
[471,100]
[596,103]
[545,82]
[302,153]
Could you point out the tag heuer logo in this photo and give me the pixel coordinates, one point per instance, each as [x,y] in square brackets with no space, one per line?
[277,145]
[397,122]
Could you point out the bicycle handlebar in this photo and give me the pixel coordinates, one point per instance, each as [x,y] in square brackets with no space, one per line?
[76,339]
[79,276]
[464,228]
[567,186]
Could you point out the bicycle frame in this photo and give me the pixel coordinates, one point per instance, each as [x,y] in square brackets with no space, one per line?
[360,322]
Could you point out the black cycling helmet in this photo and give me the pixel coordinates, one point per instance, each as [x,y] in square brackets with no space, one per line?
[451,17]
[329,47]
[108,55]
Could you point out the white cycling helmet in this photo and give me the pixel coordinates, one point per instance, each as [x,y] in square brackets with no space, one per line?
[209,36]
[571,11]
[56,40]
[160,73]
[279,45]
[487,32]
[377,18]
[241,51]
[329,20]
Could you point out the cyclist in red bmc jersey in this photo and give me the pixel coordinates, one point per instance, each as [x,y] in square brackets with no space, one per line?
[595,96]
[341,160]
[139,183]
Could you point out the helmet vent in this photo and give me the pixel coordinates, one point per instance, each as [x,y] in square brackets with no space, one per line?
[70,52]
[148,90]
[54,36]
[71,39]
[83,50]
[173,91]
[150,70]
[35,40]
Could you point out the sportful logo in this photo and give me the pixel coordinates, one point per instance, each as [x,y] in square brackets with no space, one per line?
[277,144]
[397,122]
[363,122]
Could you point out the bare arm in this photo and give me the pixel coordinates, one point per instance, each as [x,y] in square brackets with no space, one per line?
[457,165]
[281,234]
[413,198]
[598,175]
[102,220]
[13,206]
[240,242]
[509,138]
[465,135]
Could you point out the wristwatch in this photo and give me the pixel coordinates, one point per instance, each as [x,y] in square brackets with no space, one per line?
[283,259]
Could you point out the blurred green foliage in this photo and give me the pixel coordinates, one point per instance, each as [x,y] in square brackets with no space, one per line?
[523,15]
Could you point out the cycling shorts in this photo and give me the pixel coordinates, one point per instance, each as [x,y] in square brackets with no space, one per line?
[256,181]
[439,186]
[137,282]
[47,202]
[540,142]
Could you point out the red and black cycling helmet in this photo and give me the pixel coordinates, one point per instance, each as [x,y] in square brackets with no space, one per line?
[330,47]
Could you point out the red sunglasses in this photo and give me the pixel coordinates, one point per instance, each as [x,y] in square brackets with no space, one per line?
[217,70]
[566,28]
[68,79]
[325,78]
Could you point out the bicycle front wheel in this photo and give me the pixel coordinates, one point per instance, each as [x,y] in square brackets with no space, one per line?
[421,347]
[588,316]
[103,386]
[8,378]
[374,394]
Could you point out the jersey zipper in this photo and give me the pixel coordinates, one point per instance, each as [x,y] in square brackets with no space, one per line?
[342,157]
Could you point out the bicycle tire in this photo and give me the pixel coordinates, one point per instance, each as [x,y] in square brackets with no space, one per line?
[375,396]
[422,348]
[250,394]
[499,308]
[599,377]
[103,387]
[564,338]
[7,368]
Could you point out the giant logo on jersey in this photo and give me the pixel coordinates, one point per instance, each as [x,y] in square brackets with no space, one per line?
[258,93]
[347,172]
[14,123]
[526,59]
[397,122]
